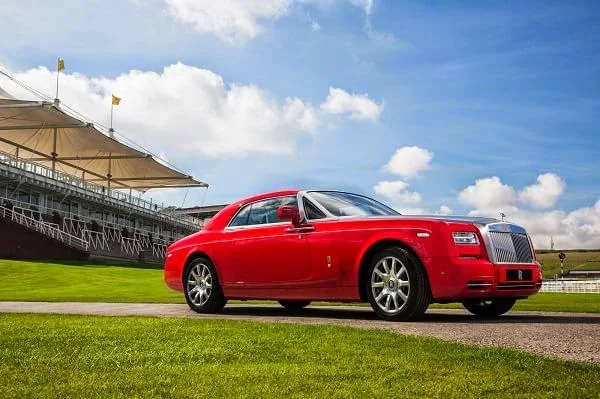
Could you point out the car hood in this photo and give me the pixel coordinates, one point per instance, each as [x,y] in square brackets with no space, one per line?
[459,219]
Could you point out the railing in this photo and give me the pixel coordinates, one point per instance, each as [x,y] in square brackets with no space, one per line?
[96,239]
[80,218]
[73,226]
[115,194]
[159,250]
[143,238]
[49,229]
[130,246]
[112,233]
[571,286]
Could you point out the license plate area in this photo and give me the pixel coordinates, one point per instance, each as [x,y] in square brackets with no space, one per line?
[518,275]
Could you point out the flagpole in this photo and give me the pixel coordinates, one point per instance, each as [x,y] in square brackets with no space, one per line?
[57,76]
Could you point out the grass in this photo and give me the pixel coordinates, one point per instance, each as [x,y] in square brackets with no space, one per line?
[84,282]
[93,282]
[549,302]
[575,260]
[50,356]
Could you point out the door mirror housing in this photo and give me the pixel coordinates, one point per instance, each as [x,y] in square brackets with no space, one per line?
[291,213]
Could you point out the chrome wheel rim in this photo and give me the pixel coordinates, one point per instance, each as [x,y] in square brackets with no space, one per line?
[199,284]
[390,284]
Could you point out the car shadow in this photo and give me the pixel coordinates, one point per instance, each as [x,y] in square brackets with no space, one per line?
[435,316]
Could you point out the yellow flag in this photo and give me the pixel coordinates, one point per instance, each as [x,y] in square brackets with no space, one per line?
[116,100]
[60,64]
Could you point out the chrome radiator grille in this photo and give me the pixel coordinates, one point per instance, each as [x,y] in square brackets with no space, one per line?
[511,247]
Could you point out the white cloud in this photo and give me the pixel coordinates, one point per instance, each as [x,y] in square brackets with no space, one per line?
[396,192]
[359,106]
[445,210]
[299,114]
[489,194]
[184,109]
[367,5]
[545,193]
[408,162]
[241,20]
[230,20]
[579,228]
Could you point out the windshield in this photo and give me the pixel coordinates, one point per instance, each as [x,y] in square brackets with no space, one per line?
[346,204]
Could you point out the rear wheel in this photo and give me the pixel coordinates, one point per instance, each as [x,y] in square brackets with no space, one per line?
[397,286]
[202,290]
[489,308]
[294,306]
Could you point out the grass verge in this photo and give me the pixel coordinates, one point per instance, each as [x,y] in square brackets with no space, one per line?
[575,260]
[92,282]
[549,302]
[49,356]
[83,282]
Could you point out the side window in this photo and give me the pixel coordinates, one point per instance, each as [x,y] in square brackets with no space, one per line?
[241,219]
[311,211]
[262,212]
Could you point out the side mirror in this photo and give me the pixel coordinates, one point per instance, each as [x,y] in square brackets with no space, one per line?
[291,213]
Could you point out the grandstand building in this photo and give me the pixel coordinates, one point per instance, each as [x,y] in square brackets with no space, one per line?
[204,213]
[70,191]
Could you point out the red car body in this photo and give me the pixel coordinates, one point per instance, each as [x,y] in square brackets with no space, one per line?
[326,259]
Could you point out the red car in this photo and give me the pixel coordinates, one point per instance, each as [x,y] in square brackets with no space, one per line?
[301,246]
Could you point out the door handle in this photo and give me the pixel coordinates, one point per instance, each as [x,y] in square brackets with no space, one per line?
[303,229]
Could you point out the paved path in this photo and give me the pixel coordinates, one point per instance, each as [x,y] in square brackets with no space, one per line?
[572,336]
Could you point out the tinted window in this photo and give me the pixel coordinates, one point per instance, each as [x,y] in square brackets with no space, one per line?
[346,204]
[262,212]
[241,219]
[311,211]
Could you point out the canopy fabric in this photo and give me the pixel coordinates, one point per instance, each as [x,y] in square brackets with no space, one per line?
[41,132]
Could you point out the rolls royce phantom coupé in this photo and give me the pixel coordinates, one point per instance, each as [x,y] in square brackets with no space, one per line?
[301,246]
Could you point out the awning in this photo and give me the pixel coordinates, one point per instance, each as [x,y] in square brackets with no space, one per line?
[41,132]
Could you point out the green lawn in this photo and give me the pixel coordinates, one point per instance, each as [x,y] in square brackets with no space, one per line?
[31,281]
[50,356]
[575,260]
[87,282]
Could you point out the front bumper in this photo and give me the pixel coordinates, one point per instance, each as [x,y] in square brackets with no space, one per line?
[460,278]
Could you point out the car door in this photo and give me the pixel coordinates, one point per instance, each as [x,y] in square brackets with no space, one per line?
[266,251]
[326,245]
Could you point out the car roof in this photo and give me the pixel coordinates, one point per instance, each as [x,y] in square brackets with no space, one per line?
[222,218]
[270,194]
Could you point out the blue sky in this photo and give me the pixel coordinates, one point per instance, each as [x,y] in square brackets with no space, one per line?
[507,89]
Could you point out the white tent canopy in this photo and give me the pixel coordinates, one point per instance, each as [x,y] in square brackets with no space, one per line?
[41,132]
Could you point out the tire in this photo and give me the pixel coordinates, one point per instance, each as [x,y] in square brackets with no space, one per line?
[397,285]
[201,287]
[294,306]
[489,308]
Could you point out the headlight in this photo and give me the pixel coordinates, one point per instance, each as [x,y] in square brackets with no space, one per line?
[465,237]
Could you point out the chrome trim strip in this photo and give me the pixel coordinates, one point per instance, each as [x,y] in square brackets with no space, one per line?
[255,226]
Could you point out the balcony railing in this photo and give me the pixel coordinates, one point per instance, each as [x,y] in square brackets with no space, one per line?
[75,224]
[49,229]
[114,195]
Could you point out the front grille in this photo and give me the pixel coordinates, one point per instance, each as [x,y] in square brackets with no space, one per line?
[511,247]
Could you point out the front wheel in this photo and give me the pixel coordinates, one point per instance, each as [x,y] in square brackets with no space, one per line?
[202,290]
[489,308]
[294,306]
[397,286]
